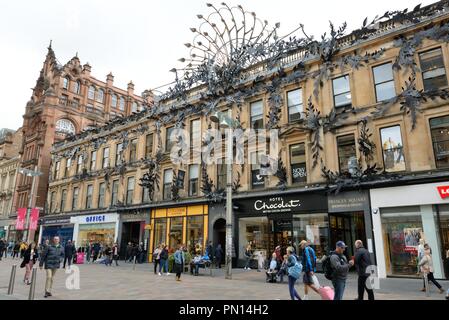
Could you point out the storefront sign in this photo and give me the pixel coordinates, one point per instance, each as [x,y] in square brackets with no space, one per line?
[59,221]
[275,205]
[34,217]
[125,217]
[99,218]
[179,211]
[348,201]
[443,191]
[20,222]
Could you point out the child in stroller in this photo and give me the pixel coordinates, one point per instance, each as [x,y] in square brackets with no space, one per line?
[272,270]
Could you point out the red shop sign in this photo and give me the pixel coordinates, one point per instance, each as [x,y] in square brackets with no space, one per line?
[443,191]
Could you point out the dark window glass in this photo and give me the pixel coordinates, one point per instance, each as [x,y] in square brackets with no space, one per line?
[168,181]
[257,180]
[257,115]
[130,190]
[298,163]
[148,145]
[101,192]
[89,192]
[114,195]
[439,129]
[75,198]
[118,154]
[63,200]
[433,70]
[193,179]
[347,156]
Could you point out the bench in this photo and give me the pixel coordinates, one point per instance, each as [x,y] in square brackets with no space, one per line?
[202,265]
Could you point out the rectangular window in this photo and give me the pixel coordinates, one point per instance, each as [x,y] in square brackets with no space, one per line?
[294,104]
[433,70]
[392,148]
[168,142]
[93,160]
[75,198]
[384,82]
[105,158]
[342,91]
[79,165]
[133,151]
[195,233]
[160,231]
[221,174]
[148,146]
[68,163]
[114,195]
[90,189]
[176,228]
[145,195]
[101,192]
[63,200]
[298,163]
[52,202]
[56,173]
[439,129]
[195,134]
[347,156]
[130,190]
[118,154]
[168,180]
[193,179]
[257,180]
[256,115]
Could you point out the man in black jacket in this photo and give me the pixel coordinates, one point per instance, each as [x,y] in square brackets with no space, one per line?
[2,248]
[52,256]
[69,252]
[362,262]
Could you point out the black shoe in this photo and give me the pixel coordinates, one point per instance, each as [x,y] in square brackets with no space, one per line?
[47,294]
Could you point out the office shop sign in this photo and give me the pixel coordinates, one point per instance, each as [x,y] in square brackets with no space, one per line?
[96,218]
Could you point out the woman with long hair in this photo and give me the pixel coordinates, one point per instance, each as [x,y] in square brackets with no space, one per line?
[29,259]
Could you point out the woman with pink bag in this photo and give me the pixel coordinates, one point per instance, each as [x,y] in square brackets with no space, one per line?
[29,259]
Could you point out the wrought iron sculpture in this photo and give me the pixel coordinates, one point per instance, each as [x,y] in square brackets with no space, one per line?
[210,191]
[281,174]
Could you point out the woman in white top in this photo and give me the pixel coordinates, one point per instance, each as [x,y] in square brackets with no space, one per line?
[426,265]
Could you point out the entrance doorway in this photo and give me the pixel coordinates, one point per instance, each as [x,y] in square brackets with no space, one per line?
[219,233]
[130,233]
[281,235]
[347,227]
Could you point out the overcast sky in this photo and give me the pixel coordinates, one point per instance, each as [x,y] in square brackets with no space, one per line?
[136,40]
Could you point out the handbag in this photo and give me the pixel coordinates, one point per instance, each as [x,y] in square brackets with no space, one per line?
[295,270]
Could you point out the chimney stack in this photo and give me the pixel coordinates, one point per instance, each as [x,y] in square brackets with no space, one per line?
[109,79]
[130,88]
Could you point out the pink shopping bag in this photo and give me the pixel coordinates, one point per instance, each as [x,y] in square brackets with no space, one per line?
[80,258]
[326,293]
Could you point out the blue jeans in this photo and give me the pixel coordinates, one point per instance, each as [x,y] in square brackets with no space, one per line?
[291,288]
[339,288]
[163,264]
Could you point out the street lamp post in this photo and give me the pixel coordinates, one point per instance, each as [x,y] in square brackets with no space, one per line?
[227,123]
[29,173]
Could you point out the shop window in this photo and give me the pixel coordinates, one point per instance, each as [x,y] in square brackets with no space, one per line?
[93,160]
[313,228]
[148,146]
[195,225]
[118,154]
[175,236]
[298,163]
[114,195]
[103,233]
[347,157]
[168,180]
[295,106]
[89,192]
[342,91]
[101,193]
[106,157]
[392,149]
[169,142]
[79,165]
[130,190]
[133,151]
[75,198]
[255,231]
[384,82]
[193,179]
[433,70]
[63,200]
[401,229]
[256,110]
[160,231]
[439,129]
[257,180]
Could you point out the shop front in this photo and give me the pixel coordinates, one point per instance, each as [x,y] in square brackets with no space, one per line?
[95,228]
[401,217]
[52,227]
[179,225]
[132,229]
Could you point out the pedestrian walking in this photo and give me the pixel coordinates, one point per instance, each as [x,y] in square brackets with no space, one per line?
[51,259]
[69,252]
[426,267]
[179,262]
[129,252]
[218,255]
[140,253]
[157,258]
[164,260]
[340,268]
[309,267]
[2,248]
[248,254]
[29,259]
[108,256]
[16,250]
[96,248]
[294,272]
[88,252]
[115,254]
[362,261]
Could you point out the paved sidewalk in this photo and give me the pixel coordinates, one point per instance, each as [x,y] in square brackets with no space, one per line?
[106,283]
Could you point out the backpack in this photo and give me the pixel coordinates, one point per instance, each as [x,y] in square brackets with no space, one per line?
[327,267]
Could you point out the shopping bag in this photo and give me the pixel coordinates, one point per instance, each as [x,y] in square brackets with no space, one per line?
[80,258]
[316,283]
[326,293]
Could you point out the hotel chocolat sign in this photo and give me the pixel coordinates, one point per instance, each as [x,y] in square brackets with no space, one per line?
[281,204]
[348,201]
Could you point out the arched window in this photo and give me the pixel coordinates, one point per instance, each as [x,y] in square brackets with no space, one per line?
[65,126]
[66,83]
[91,94]
[77,87]
[122,104]
[100,95]
[114,100]
[134,107]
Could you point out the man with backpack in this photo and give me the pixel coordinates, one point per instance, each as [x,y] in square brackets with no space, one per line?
[309,267]
[336,268]
[362,261]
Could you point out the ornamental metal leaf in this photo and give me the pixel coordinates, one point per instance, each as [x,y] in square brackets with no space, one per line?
[281,174]
[313,124]
[366,145]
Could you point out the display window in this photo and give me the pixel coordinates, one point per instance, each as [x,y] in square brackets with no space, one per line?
[103,233]
[195,232]
[313,228]
[254,231]
[175,237]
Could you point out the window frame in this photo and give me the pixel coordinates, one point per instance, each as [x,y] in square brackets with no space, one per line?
[383,82]
[342,93]
[434,142]
[89,196]
[444,67]
[338,149]
[251,116]
[130,192]
[290,147]
[93,160]
[75,197]
[91,92]
[101,195]
[294,106]
[167,185]
[194,180]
